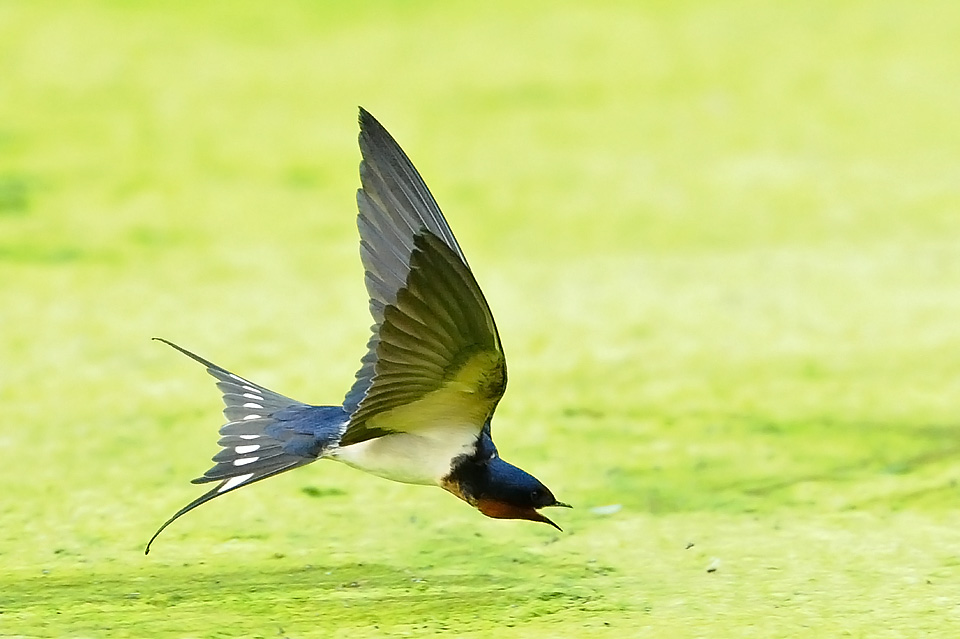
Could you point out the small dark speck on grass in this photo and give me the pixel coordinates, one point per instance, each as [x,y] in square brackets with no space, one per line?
[601,570]
[555,594]
[690,545]
[313,491]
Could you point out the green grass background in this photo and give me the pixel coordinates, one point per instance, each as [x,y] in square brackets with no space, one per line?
[721,240]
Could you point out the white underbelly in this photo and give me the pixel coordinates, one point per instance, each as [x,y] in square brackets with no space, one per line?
[423,457]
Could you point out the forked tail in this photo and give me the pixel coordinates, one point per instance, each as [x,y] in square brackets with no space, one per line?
[266,434]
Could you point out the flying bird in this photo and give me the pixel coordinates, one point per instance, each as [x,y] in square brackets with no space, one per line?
[420,408]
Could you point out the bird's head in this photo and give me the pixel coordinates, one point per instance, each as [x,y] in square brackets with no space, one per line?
[503,491]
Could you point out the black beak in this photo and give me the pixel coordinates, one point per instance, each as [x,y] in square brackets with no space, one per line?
[541,517]
[547,520]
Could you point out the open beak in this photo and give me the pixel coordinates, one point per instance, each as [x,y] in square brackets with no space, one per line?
[540,517]
[500,510]
[533,515]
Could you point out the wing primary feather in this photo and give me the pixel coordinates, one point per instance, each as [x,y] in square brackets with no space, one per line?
[382,154]
[384,197]
[387,260]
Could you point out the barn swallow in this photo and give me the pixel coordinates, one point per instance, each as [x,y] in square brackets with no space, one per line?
[420,408]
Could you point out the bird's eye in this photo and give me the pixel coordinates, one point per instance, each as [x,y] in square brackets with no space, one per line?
[536,495]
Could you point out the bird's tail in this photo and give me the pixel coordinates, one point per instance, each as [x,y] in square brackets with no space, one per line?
[265,434]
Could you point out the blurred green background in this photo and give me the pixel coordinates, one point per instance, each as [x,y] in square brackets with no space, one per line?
[721,241]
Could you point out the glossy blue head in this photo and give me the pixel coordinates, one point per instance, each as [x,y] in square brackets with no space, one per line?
[511,493]
[502,490]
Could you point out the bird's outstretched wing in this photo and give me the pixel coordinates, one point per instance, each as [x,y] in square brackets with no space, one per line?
[435,347]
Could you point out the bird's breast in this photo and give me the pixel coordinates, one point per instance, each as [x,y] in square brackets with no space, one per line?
[421,457]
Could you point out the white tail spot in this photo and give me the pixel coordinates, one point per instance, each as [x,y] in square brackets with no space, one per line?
[251,416]
[252,405]
[243,450]
[249,388]
[249,436]
[244,461]
[233,482]
[252,396]
[238,378]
